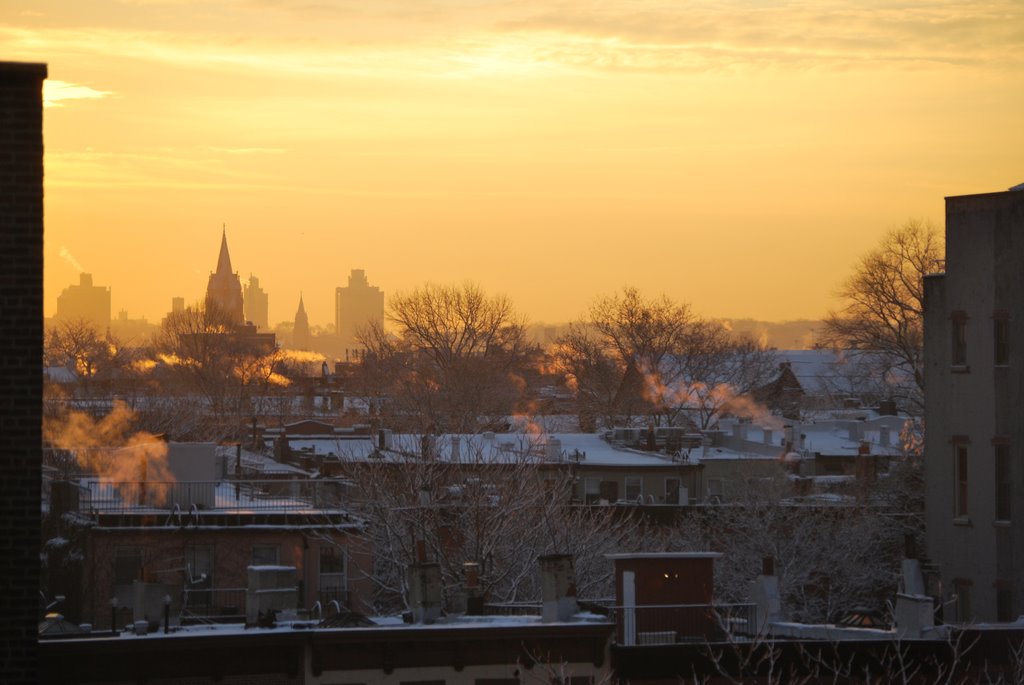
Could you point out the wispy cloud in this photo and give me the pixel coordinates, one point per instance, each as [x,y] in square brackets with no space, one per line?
[688,35]
[55,92]
[248,150]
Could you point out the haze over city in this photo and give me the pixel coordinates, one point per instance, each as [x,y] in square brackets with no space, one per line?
[737,156]
[415,342]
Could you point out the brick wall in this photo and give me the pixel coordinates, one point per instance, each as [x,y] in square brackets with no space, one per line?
[164,550]
[21,387]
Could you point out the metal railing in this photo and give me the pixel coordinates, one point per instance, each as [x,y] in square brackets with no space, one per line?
[674,623]
[212,605]
[227,496]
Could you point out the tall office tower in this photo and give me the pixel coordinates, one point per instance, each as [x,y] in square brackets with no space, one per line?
[224,289]
[974,391]
[256,303]
[85,301]
[355,306]
[300,333]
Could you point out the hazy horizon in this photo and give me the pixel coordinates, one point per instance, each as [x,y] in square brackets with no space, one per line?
[737,156]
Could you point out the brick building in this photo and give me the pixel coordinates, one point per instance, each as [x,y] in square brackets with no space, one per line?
[21,333]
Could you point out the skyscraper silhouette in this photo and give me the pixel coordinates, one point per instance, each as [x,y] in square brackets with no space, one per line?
[356,306]
[85,301]
[256,301]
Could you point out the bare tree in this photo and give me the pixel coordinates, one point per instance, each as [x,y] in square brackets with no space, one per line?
[202,350]
[829,556]
[717,372]
[884,307]
[500,509]
[596,377]
[93,356]
[455,362]
[652,357]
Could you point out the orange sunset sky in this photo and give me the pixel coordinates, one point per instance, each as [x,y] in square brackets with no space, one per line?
[737,155]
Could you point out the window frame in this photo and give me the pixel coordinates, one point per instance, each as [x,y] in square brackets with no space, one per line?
[266,547]
[961,481]
[1003,466]
[636,483]
[193,573]
[958,339]
[964,610]
[121,557]
[672,494]
[1000,339]
[335,590]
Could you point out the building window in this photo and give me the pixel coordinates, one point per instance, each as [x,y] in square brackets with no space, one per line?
[127,565]
[1004,604]
[591,490]
[960,475]
[715,489]
[610,490]
[672,486]
[266,555]
[1004,490]
[959,320]
[634,488]
[1001,340]
[962,589]
[333,583]
[199,566]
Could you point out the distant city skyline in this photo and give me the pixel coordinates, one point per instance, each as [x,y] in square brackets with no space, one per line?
[737,156]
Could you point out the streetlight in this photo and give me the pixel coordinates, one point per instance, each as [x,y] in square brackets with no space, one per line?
[113,614]
[167,614]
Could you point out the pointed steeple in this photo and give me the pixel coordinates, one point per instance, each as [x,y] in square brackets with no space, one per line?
[300,331]
[224,289]
[224,260]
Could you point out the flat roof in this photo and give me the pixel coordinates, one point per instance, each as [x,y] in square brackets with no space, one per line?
[37,68]
[664,555]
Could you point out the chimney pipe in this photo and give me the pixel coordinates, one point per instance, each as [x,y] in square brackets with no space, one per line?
[473,596]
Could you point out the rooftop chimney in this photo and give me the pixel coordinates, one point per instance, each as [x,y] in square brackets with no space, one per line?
[554,449]
[765,594]
[558,587]
[425,597]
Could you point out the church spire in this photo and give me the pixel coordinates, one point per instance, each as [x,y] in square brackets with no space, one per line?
[301,337]
[224,260]
[224,289]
